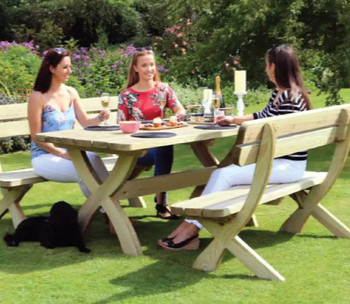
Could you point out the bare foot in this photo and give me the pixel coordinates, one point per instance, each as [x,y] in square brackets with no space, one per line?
[189,231]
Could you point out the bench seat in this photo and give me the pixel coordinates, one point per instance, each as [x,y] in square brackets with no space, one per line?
[225,203]
[28,176]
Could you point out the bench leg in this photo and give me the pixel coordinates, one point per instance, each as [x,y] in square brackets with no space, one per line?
[253,222]
[294,225]
[210,258]
[10,201]
[328,220]
[137,202]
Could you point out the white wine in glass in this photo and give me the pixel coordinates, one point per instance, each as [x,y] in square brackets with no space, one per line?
[216,102]
[162,103]
[105,104]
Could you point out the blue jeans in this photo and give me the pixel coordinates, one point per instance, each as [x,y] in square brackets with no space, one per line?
[162,159]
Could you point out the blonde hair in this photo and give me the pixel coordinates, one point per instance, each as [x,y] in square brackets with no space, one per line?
[133,76]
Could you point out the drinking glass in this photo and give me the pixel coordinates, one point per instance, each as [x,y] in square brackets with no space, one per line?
[162,103]
[216,102]
[105,104]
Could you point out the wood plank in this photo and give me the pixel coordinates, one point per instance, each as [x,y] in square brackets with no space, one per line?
[231,201]
[301,122]
[19,177]
[14,128]
[13,111]
[168,182]
[246,154]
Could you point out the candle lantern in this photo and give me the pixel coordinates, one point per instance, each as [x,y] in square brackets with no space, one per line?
[240,90]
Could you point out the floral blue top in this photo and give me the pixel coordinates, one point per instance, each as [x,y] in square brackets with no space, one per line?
[54,120]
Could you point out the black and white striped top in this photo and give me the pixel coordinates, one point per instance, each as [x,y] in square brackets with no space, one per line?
[285,104]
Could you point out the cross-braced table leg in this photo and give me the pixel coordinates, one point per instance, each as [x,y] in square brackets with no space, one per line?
[105,194]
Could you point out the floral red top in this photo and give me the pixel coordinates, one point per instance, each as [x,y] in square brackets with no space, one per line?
[134,105]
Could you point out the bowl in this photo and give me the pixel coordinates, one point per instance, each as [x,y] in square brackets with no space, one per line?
[131,126]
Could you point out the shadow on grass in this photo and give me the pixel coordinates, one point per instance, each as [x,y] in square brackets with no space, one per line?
[175,268]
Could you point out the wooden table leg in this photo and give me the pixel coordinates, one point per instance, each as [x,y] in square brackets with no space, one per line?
[105,195]
[206,157]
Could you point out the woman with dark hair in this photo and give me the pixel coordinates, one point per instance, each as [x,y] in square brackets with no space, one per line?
[141,101]
[54,106]
[289,96]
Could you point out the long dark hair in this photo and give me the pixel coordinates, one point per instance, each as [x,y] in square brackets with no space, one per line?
[133,76]
[287,70]
[52,58]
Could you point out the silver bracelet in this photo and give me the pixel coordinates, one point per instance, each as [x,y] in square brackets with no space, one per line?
[99,117]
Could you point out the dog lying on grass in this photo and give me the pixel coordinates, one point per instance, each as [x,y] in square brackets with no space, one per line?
[60,229]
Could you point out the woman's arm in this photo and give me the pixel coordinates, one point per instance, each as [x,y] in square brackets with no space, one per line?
[180,112]
[174,103]
[35,111]
[227,120]
[82,116]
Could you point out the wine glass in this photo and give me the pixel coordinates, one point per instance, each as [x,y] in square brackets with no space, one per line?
[162,103]
[216,102]
[105,104]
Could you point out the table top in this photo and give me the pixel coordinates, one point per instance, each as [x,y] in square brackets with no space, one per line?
[117,141]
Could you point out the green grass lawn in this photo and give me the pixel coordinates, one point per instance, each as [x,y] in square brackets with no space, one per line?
[316,265]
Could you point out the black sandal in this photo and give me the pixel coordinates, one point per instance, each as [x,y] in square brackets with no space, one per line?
[191,243]
[161,209]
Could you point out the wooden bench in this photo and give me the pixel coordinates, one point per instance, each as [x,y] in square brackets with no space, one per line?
[15,184]
[224,214]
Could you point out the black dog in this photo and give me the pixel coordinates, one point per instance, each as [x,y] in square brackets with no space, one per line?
[60,229]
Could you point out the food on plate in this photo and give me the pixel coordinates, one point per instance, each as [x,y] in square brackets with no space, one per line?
[173,121]
[157,122]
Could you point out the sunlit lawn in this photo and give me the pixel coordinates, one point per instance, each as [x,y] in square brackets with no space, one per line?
[315,264]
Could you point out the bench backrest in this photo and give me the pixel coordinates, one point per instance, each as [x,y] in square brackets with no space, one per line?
[14,121]
[260,141]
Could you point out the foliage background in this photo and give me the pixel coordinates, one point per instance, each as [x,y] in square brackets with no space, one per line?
[196,39]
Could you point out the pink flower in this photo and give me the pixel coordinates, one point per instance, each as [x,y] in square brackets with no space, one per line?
[235,62]
[178,27]
[171,30]
[183,51]
[178,35]
[184,42]
[176,45]
[180,19]
[227,64]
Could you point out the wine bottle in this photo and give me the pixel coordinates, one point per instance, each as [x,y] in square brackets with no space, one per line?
[218,91]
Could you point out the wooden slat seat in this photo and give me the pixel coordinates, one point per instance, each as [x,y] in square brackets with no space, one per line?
[232,201]
[226,213]
[17,178]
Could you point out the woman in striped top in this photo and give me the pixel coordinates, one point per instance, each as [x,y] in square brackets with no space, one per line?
[282,68]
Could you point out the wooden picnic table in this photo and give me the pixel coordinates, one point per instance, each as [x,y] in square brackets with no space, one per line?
[119,185]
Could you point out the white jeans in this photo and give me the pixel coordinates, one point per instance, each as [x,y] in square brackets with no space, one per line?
[283,171]
[55,168]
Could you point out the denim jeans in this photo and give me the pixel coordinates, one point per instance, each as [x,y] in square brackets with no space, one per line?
[162,159]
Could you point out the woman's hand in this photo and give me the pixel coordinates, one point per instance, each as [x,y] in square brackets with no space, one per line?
[64,154]
[223,120]
[180,115]
[104,115]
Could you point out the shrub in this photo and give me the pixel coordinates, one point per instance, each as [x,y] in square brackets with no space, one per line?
[18,66]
